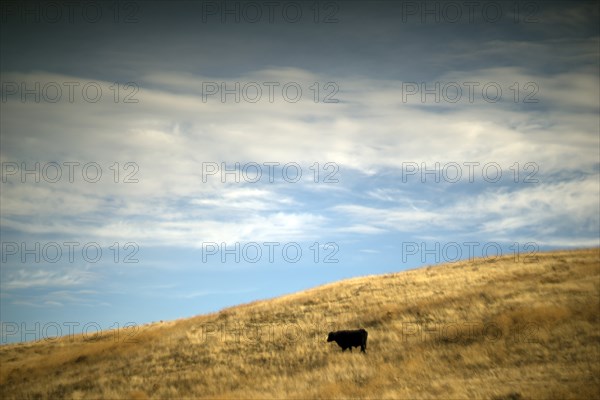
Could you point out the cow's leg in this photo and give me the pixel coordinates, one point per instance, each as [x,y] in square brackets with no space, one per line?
[362,348]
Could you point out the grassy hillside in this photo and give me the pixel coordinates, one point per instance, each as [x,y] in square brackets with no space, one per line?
[495,329]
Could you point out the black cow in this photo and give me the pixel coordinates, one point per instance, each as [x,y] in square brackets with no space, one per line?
[349,339]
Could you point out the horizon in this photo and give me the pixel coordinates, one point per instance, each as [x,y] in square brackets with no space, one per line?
[12,329]
[164,161]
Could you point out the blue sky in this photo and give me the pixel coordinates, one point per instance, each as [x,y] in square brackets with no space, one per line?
[433,140]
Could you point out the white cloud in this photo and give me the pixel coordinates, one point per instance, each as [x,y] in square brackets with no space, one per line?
[171,132]
[30,277]
[536,212]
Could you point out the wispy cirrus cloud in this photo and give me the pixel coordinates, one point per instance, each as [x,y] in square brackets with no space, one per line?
[30,277]
[542,212]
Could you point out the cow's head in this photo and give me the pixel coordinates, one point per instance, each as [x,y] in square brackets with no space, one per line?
[331,337]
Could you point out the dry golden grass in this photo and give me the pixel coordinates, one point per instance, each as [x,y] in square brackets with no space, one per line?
[494,329]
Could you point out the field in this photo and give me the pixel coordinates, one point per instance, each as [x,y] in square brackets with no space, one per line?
[495,329]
